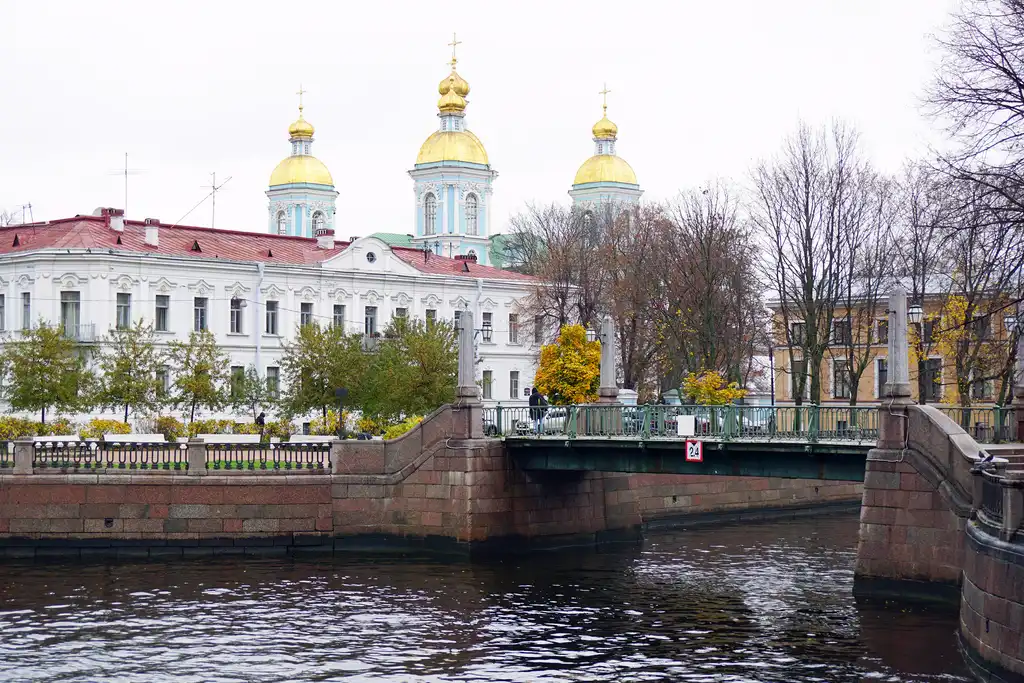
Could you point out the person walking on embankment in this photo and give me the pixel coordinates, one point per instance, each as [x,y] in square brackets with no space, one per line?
[537,409]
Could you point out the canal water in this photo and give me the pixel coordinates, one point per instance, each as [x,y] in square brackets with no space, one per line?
[759,602]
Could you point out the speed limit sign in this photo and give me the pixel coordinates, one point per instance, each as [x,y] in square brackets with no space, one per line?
[694,451]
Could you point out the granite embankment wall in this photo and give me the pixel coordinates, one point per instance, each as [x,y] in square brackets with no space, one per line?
[439,485]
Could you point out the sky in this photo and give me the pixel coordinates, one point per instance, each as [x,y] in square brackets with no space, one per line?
[700,90]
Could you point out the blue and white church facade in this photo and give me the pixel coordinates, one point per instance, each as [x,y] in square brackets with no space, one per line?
[301,193]
[453,182]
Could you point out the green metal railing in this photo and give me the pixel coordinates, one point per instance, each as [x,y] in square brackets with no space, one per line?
[986,424]
[722,423]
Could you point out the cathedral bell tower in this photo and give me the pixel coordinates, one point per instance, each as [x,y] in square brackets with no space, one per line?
[452,180]
[605,178]
[301,193]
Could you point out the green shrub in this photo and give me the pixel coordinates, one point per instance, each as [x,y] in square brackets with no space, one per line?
[16,428]
[171,427]
[280,429]
[245,428]
[97,427]
[396,430]
[60,426]
[210,427]
[371,425]
[329,426]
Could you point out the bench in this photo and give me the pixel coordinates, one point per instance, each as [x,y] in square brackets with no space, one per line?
[230,438]
[134,438]
[49,440]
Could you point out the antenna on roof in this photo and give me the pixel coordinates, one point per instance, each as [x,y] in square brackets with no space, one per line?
[11,217]
[126,172]
[214,188]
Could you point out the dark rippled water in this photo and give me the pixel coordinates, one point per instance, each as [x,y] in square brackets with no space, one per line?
[765,602]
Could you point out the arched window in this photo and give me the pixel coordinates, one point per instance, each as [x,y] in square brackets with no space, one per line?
[429,214]
[471,212]
[282,223]
[318,222]
[471,252]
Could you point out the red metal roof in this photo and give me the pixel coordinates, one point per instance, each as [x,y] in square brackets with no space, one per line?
[94,232]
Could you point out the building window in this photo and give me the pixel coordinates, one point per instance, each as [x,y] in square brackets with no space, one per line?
[841,332]
[429,214]
[370,321]
[199,314]
[273,381]
[163,312]
[982,327]
[3,312]
[282,223]
[124,310]
[26,311]
[305,313]
[513,328]
[797,333]
[457,320]
[271,323]
[799,372]
[70,313]
[339,316]
[163,380]
[401,312]
[883,331]
[471,212]
[840,379]
[981,390]
[929,330]
[318,222]
[236,316]
[931,379]
[237,380]
[882,372]
[538,329]
[488,383]
[487,324]
[431,316]
[513,384]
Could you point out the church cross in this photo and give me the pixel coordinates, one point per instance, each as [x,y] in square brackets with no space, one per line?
[300,93]
[604,95]
[455,42]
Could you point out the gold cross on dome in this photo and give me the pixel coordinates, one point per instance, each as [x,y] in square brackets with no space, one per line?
[300,93]
[604,95]
[455,42]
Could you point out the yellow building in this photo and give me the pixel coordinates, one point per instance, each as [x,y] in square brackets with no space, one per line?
[929,370]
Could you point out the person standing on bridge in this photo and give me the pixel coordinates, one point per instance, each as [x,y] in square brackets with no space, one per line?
[537,409]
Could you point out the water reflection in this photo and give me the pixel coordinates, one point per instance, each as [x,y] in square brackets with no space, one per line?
[769,602]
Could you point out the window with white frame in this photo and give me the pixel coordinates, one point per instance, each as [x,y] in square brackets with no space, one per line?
[26,310]
[840,379]
[513,328]
[471,214]
[431,315]
[282,223]
[162,315]
[429,214]
[318,222]
[199,313]
[271,321]
[3,312]
[797,333]
[882,331]
[339,316]
[163,380]
[124,310]
[841,332]
[370,321]
[881,374]
[401,312]
[305,313]
[71,313]
[487,323]
[236,316]
[930,382]
[273,381]
[798,372]
[488,383]
[513,384]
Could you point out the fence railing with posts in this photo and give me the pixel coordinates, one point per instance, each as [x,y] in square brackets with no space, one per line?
[985,424]
[26,455]
[725,423]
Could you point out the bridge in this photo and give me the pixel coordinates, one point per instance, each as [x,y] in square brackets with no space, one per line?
[793,442]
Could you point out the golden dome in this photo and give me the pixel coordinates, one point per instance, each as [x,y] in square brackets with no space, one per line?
[451,101]
[301,168]
[605,168]
[605,129]
[452,146]
[301,128]
[453,82]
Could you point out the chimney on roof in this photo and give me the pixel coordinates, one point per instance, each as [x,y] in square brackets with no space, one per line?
[324,238]
[115,218]
[471,258]
[153,232]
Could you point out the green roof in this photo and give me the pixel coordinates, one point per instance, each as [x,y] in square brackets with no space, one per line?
[394,239]
[497,252]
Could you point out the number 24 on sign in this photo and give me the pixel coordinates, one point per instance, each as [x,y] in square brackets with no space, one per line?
[694,451]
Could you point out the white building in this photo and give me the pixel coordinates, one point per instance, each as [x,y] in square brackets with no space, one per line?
[252,290]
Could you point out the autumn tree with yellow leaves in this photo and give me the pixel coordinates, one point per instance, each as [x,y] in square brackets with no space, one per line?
[570,369]
[709,388]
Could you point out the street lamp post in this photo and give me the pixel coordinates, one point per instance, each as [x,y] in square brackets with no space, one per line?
[341,393]
[1015,325]
[916,315]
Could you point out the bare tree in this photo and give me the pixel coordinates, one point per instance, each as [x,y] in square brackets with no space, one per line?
[802,208]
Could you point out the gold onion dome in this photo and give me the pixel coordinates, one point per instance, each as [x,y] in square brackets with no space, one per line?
[453,82]
[605,168]
[452,145]
[605,129]
[301,128]
[301,168]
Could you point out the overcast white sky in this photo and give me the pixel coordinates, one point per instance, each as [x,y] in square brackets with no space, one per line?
[699,90]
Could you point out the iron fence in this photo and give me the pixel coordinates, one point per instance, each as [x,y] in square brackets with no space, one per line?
[67,455]
[272,456]
[992,498]
[986,424]
[144,455]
